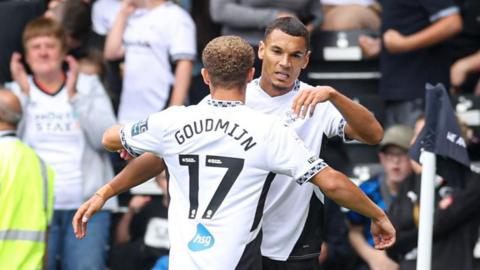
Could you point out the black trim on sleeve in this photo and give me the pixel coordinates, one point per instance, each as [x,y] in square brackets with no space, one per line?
[224,103]
[312,172]
[126,146]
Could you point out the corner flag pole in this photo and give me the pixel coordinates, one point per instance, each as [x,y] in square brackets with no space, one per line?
[425,230]
[441,135]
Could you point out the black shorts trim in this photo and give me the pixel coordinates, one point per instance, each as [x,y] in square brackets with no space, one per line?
[308,264]
[309,243]
[251,258]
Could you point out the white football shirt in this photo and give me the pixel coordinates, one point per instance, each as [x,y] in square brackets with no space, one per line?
[287,204]
[152,39]
[53,130]
[220,156]
[104,13]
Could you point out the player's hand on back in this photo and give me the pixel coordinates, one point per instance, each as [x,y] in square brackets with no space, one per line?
[85,213]
[307,99]
[383,233]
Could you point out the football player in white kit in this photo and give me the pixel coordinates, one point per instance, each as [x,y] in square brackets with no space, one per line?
[221,156]
[293,213]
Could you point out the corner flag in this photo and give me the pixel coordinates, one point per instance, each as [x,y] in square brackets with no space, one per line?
[441,134]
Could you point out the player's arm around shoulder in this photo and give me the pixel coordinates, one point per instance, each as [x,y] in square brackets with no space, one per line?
[361,123]
[339,188]
[145,135]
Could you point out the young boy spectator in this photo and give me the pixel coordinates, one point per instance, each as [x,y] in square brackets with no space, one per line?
[382,189]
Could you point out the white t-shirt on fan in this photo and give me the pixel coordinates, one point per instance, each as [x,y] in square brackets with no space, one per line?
[53,131]
[152,39]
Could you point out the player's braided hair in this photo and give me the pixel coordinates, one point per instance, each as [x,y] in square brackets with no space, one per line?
[289,25]
[228,60]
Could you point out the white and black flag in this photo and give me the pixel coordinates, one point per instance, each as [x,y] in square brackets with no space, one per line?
[441,134]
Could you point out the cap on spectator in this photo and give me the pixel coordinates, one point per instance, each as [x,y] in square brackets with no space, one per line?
[398,135]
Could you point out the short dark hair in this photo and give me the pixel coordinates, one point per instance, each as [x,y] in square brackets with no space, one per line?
[76,19]
[228,60]
[291,26]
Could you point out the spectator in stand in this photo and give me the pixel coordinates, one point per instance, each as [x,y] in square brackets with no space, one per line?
[201,15]
[382,189]
[248,19]
[65,114]
[413,53]
[464,73]
[456,216]
[104,13]
[141,236]
[351,15]
[75,18]
[464,67]
[150,34]
[336,252]
[26,194]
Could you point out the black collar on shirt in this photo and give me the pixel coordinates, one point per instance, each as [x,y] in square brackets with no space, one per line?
[45,91]
[223,103]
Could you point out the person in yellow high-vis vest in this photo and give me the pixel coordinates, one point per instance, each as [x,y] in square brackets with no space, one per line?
[26,194]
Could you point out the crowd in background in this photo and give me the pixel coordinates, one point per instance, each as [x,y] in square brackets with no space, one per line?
[80,66]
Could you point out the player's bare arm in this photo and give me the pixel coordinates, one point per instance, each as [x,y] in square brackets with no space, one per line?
[339,188]
[361,123]
[113,44]
[136,172]
[183,77]
[111,139]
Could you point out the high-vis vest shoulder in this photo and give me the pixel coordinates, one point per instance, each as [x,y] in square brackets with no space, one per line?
[26,205]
